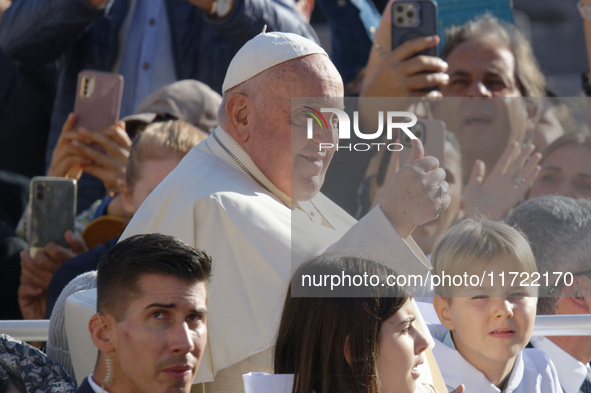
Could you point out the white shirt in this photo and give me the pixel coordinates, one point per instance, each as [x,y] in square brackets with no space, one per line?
[571,372]
[95,386]
[533,372]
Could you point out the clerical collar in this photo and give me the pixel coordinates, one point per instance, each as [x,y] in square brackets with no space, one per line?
[244,162]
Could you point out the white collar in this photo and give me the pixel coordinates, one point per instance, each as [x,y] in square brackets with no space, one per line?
[227,148]
[95,386]
[571,372]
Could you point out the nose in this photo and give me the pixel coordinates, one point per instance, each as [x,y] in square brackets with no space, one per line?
[504,308]
[182,339]
[565,189]
[421,342]
[477,89]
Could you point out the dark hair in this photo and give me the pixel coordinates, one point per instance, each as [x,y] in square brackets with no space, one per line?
[486,27]
[120,268]
[9,377]
[313,329]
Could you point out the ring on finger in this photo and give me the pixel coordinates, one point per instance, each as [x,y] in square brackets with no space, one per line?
[518,181]
[443,191]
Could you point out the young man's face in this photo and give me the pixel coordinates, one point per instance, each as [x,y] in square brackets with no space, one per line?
[491,324]
[159,343]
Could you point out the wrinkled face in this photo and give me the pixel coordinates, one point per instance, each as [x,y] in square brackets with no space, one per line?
[282,151]
[478,72]
[160,341]
[567,172]
[400,349]
[426,235]
[491,324]
[152,172]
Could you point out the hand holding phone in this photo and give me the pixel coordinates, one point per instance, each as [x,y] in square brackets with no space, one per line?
[52,211]
[413,19]
[98,99]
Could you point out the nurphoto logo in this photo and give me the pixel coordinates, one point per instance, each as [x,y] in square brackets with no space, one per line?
[393,122]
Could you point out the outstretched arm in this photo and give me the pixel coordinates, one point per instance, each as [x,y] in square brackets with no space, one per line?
[39,31]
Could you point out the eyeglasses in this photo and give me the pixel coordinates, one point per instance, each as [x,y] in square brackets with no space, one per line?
[559,282]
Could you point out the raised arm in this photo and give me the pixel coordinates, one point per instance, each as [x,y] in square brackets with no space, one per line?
[247,18]
[39,31]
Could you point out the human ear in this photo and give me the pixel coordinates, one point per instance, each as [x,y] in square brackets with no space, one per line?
[238,109]
[347,351]
[99,327]
[578,303]
[442,308]
[125,195]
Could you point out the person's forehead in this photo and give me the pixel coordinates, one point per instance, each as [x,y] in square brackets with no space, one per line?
[156,287]
[482,56]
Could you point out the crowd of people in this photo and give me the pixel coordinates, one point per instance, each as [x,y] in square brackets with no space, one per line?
[228,257]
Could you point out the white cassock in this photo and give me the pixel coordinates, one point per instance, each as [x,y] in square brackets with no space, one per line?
[217,200]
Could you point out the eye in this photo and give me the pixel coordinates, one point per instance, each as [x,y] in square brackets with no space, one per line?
[517,295]
[549,177]
[480,297]
[459,81]
[496,84]
[585,186]
[196,317]
[160,315]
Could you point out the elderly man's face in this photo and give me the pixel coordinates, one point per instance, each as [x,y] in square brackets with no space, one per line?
[283,153]
[159,343]
[484,127]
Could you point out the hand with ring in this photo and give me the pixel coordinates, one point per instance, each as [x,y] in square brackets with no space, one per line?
[505,186]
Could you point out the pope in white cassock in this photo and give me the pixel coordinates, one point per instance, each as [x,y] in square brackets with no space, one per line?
[249,196]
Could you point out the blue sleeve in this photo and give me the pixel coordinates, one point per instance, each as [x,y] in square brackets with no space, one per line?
[352,25]
[39,31]
[248,17]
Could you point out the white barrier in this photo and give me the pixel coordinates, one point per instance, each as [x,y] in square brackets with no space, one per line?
[546,325]
[30,330]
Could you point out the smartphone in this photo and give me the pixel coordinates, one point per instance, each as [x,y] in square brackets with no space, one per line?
[431,132]
[52,211]
[412,19]
[98,99]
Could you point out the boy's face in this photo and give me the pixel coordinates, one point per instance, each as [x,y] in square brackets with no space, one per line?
[490,324]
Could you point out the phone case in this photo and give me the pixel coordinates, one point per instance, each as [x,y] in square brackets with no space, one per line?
[431,132]
[52,211]
[98,99]
[412,19]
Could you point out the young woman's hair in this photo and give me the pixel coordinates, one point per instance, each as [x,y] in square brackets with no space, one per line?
[469,245]
[319,321]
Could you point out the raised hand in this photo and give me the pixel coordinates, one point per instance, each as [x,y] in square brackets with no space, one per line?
[416,193]
[108,154]
[505,186]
